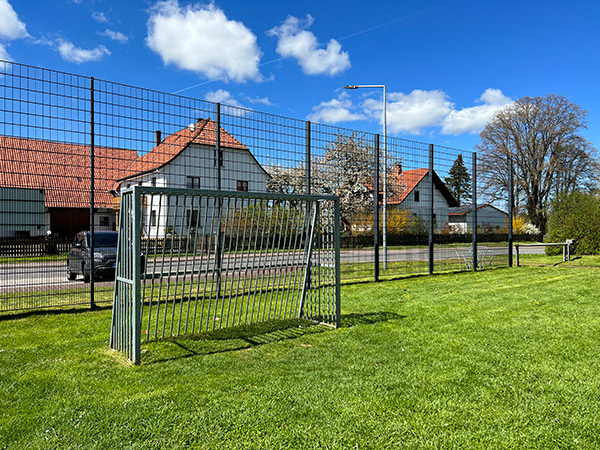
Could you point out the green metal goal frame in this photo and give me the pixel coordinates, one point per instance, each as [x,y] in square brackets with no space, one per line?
[302,240]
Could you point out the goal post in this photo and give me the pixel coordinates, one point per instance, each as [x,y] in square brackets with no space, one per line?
[190,261]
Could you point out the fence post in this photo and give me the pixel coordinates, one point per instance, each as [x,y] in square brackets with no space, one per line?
[431,213]
[219,162]
[307,174]
[510,212]
[137,298]
[336,227]
[92,197]
[307,139]
[474,206]
[376,210]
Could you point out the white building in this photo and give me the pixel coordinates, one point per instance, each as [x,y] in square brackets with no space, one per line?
[187,159]
[412,191]
[489,218]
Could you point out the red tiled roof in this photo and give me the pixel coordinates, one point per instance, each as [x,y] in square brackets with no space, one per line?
[405,182]
[204,132]
[62,170]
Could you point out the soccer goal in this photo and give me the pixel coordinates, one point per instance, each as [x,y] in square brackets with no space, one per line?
[190,261]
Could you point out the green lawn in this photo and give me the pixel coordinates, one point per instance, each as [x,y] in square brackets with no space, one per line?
[504,358]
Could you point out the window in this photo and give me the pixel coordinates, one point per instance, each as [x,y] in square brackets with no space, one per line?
[153,218]
[193,182]
[104,221]
[191,218]
[140,183]
[153,182]
[242,185]
[417,196]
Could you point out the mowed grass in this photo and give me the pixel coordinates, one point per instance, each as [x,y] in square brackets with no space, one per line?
[504,358]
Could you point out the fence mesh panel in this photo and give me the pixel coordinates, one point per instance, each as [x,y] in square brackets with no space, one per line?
[65,138]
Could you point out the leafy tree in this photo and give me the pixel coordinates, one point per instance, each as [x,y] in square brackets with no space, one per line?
[576,216]
[550,157]
[459,180]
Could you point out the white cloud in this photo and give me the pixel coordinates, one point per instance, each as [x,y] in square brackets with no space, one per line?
[335,110]
[229,105]
[473,119]
[70,53]
[99,17]
[203,40]
[410,113]
[222,96]
[4,53]
[10,25]
[115,35]
[261,100]
[415,112]
[294,41]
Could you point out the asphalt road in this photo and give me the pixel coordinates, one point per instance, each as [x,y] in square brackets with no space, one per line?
[52,275]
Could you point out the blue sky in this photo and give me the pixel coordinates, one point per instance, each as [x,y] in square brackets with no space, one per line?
[448,65]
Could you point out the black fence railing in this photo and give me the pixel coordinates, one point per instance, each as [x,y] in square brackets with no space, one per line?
[69,144]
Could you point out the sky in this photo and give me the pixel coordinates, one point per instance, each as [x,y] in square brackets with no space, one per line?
[448,66]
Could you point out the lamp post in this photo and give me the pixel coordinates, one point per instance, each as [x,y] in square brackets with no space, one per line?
[384,237]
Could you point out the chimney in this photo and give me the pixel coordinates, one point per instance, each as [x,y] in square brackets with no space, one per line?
[158,138]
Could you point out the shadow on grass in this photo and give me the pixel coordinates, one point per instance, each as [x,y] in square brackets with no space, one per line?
[227,340]
[351,320]
[246,337]
[565,262]
[53,311]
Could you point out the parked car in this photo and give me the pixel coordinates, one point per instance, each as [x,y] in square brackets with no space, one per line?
[105,255]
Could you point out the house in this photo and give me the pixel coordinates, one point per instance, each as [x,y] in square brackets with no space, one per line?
[187,159]
[411,191]
[35,172]
[488,218]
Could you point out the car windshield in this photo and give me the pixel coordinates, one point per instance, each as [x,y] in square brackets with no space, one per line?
[105,239]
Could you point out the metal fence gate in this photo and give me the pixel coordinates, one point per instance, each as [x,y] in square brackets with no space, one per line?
[194,260]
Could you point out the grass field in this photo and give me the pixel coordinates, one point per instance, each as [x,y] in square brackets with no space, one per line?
[503,358]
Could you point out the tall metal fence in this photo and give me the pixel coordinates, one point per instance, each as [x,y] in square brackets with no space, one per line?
[69,144]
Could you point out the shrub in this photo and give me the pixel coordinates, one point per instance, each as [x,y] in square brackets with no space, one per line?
[576,216]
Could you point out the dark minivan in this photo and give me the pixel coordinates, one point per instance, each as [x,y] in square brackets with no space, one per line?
[105,255]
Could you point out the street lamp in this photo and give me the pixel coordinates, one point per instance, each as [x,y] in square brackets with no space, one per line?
[384,240]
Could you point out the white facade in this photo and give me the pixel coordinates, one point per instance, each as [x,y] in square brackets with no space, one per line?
[195,168]
[488,216]
[23,212]
[418,202]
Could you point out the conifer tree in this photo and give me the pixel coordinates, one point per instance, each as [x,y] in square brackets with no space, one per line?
[459,181]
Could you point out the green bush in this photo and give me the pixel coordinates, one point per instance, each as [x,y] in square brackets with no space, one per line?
[575,216]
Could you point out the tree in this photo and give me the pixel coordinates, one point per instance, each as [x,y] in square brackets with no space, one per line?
[459,180]
[346,169]
[576,216]
[542,135]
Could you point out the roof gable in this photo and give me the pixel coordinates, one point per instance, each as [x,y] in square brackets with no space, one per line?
[203,132]
[408,180]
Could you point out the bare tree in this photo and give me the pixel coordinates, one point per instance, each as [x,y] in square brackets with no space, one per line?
[542,135]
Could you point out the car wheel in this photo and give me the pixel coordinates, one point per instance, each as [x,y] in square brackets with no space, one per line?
[86,274]
[70,275]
